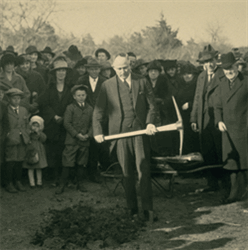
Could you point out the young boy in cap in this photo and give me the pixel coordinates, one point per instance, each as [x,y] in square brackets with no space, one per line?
[77,122]
[16,141]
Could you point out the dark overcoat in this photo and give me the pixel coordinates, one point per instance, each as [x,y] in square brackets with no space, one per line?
[50,105]
[78,120]
[4,128]
[108,102]
[91,96]
[231,106]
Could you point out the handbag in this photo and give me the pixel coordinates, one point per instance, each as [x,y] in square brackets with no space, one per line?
[32,155]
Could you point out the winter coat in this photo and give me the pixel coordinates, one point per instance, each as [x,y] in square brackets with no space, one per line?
[78,120]
[4,127]
[17,82]
[50,105]
[34,82]
[37,142]
[231,107]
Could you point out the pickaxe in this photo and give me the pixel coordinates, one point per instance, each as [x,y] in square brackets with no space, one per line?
[170,127]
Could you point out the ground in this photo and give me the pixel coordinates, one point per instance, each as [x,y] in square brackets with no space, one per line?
[188,221]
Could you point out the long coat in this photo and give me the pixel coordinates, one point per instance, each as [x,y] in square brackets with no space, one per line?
[50,105]
[78,120]
[108,102]
[91,96]
[231,107]
[4,127]
[17,82]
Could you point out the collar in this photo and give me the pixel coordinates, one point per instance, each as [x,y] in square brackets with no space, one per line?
[128,80]
[93,80]
[80,104]
[14,107]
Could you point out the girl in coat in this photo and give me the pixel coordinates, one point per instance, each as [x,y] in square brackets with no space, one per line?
[37,138]
[16,141]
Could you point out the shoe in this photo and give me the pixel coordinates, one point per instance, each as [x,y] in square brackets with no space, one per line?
[40,186]
[10,188]
[32,187]
[228,201]
[60,190]
[81,188]
[94,180]
[150,216]
[20,186]
[133,212]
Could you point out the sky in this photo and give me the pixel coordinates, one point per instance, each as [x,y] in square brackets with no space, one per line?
[104,19]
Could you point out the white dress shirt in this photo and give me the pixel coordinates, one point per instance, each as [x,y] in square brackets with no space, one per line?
[15,109]
[93,83]
[128,80]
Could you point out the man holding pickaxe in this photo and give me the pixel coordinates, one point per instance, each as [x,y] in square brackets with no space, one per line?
[129,104]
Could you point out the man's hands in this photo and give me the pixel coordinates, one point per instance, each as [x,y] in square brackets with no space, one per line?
[194,127]
[222,126]
[99,138]
[58,119]
[82,137]
[151,129]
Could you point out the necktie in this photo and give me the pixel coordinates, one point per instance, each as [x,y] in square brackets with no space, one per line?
[16,111]
[210,76]
[231,84]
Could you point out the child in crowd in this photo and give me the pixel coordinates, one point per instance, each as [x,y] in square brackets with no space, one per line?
[16,141]
[37,138]
[78,124]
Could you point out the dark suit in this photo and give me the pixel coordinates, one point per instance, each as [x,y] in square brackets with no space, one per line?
[203,115]
[139,104]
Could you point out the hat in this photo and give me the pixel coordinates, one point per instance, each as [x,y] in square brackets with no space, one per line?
[8,58]
[154,65]
[48,50]
[21,59]
[73,53]
[188,68]
[168,64]
[32,49]
[77,87]
[208,53]
[10,49]
[131,54]
[139,63]
[81,62]
[227,60]
[92,62]
[101,50]
[59,64]
[236,53]
[37,119]
[106,65]
[13,92]
[121,61]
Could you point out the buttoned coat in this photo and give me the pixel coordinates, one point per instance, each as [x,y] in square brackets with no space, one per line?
[17,82]
[78,120]
[201,112]
[91,96]
[108,103]
[230,107]
[18,125]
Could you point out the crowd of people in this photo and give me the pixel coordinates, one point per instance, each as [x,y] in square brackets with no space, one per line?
[55,110]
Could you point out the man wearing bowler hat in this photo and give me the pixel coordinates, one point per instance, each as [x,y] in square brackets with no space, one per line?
[202,114]
[230,109]
[128,102]
[93,80]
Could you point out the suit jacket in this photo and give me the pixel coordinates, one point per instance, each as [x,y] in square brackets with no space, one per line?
[231,107]
[202,110]
[78,120]
[92,96]
[18,126]
[108,103]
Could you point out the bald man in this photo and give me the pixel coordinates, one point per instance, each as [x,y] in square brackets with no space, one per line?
[128,102]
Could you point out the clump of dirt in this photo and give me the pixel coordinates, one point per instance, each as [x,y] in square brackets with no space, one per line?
[79,225]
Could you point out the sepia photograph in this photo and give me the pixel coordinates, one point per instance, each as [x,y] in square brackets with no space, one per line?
[123,125]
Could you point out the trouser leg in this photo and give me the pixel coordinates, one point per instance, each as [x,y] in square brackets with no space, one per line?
[126,158]
[18,171]
[142,155]
[9,172]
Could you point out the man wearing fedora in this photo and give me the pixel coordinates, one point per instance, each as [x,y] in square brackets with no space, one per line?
[230,109]
[93,80]
[102,55]
[73,55]
[47,51]
[202,114]
[128,102]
